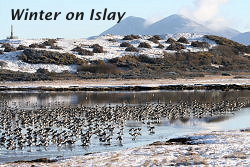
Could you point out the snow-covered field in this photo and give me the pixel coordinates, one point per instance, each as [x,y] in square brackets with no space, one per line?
[14,64]
[110,43]
[231,148]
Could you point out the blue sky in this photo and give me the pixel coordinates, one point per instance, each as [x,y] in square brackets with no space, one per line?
[233,13]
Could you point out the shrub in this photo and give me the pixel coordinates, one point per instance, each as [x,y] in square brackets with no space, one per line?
[170,41]
[6,45]
[7,75]
[183,40]
[81,51]
[144,45]
[160,46]
[9,49]
[146,59]
[85,52]
[97,62]
[42,71]
[99,68]
[77,49]
[111,40]
[125,61]
[56,47]
[224,51]
[23,57]
[236,62]
[166,54]
[237,47]
[155,39]
[36,45]
[223,41]
[131,37]
[48,57]
[200,44]
[131,49]
[97,48]
[125,44]
[175,46]
[49,42]
[189,60]
[21,47]
[1,52]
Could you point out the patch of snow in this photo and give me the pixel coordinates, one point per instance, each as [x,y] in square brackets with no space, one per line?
[216,65]
[14,64]
[187,35]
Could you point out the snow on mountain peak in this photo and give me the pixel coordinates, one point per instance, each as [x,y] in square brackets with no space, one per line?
[172,24]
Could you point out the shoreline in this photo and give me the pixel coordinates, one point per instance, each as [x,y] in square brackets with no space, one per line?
[204,83]
[205,148]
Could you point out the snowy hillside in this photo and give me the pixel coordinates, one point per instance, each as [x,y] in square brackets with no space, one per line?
[169,25]
[13,64]
[110,43]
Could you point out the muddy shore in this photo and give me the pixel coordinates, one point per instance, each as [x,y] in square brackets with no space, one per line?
[204,83]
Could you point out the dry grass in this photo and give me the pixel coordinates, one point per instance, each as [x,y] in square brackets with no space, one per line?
[99,68]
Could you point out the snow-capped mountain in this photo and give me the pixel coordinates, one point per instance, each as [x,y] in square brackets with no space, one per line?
[176,24]
[243,38]
[169,25]
[130,25]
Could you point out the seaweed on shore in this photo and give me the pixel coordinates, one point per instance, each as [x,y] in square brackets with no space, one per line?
[40,160]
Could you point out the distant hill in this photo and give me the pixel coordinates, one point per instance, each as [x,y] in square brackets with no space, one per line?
[243,38]
[169,25]
[130,25]
[227,32]
[176,24]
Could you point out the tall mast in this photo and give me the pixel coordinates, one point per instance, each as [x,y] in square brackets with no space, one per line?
[11,34]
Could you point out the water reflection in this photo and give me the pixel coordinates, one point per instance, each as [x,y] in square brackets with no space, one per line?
[38,99]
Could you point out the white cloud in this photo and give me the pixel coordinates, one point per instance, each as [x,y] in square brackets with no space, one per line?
[207,12]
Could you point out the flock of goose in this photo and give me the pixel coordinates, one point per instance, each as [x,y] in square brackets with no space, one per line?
[67,126]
